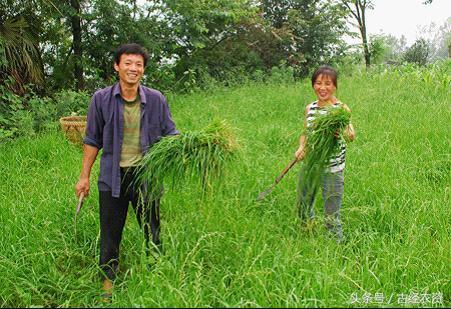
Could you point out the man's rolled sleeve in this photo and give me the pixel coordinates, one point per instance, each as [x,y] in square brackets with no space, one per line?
[94,124]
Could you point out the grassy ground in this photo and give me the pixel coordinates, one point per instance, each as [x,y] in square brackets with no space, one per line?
[226,250]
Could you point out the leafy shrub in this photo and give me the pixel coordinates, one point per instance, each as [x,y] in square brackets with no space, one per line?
[30,114]
[70,102]
[10,105]
[258,75]
[44,113]
[281,74]
[418,53]
[24,123]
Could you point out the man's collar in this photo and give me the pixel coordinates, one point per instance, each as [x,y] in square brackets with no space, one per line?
[142,96]
[116,90]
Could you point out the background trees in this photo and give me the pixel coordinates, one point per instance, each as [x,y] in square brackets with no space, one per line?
[357,9]
[53,54]
[418,53]
[317,29]
[70,44]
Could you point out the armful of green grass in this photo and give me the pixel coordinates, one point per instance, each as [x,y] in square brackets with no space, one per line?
[322,142]
[202,155]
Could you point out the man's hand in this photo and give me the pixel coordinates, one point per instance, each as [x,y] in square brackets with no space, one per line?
[89,156]
[82,186]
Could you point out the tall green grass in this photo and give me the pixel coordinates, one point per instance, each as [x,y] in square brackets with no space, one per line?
[199,156]
[224,250]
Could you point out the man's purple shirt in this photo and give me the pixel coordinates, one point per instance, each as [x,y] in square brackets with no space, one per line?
[105,129]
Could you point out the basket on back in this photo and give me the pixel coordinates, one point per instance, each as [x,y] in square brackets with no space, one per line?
[74,128]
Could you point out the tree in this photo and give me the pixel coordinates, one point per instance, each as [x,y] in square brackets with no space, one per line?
[77,43]
[357,8]
[317,28]
[202,26]
[21,58]
[418,53]
[43,28]
[438,37]
[80,38]
[395,47]
[386,48]
[377,48]
[60,41]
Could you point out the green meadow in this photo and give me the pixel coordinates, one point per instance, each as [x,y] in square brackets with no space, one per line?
[224,249]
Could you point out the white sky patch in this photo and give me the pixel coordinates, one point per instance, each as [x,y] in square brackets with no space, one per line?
[406,17]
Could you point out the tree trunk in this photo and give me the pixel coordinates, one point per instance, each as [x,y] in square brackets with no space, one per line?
[359,14]
[78,52]
[366,51]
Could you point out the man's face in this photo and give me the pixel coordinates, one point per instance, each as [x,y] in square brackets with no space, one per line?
[130,68]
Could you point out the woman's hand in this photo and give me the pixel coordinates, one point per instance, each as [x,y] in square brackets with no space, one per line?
[300,154]
[349,133]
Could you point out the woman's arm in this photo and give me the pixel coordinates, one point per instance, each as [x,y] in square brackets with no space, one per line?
[300,153]
[349,132]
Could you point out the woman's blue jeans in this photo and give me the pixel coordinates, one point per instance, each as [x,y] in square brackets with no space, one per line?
[332,190]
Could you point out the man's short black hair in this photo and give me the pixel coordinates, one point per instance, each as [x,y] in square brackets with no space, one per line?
[131,49]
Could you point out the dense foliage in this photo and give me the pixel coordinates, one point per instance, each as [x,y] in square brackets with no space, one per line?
[73,42]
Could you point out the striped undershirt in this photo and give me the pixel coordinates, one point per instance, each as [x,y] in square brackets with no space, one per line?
[337,160]
[131,146]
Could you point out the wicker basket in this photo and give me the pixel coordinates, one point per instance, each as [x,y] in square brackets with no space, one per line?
[74,128]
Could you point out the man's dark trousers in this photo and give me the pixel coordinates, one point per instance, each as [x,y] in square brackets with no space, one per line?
[113,212]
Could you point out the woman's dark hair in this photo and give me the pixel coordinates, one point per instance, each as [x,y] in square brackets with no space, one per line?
[325,70]
[131,49]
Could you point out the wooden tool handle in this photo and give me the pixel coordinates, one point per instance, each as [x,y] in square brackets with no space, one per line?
[286,169]
[262,195]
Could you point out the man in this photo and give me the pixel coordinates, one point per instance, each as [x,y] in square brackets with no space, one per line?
[124,120]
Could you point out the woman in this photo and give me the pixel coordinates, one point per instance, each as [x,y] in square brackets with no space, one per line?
[324,83]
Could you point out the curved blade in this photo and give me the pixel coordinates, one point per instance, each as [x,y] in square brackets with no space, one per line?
[263,194]
[80,202]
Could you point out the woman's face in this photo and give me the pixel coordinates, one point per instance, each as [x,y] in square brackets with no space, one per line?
[324,87]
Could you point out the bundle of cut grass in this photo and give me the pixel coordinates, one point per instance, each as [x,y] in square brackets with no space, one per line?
[198,155]
[322,144]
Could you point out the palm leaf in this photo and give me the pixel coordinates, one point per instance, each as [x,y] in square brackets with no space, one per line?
[21,52]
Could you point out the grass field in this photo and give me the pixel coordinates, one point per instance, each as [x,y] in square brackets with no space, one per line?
[225,250]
